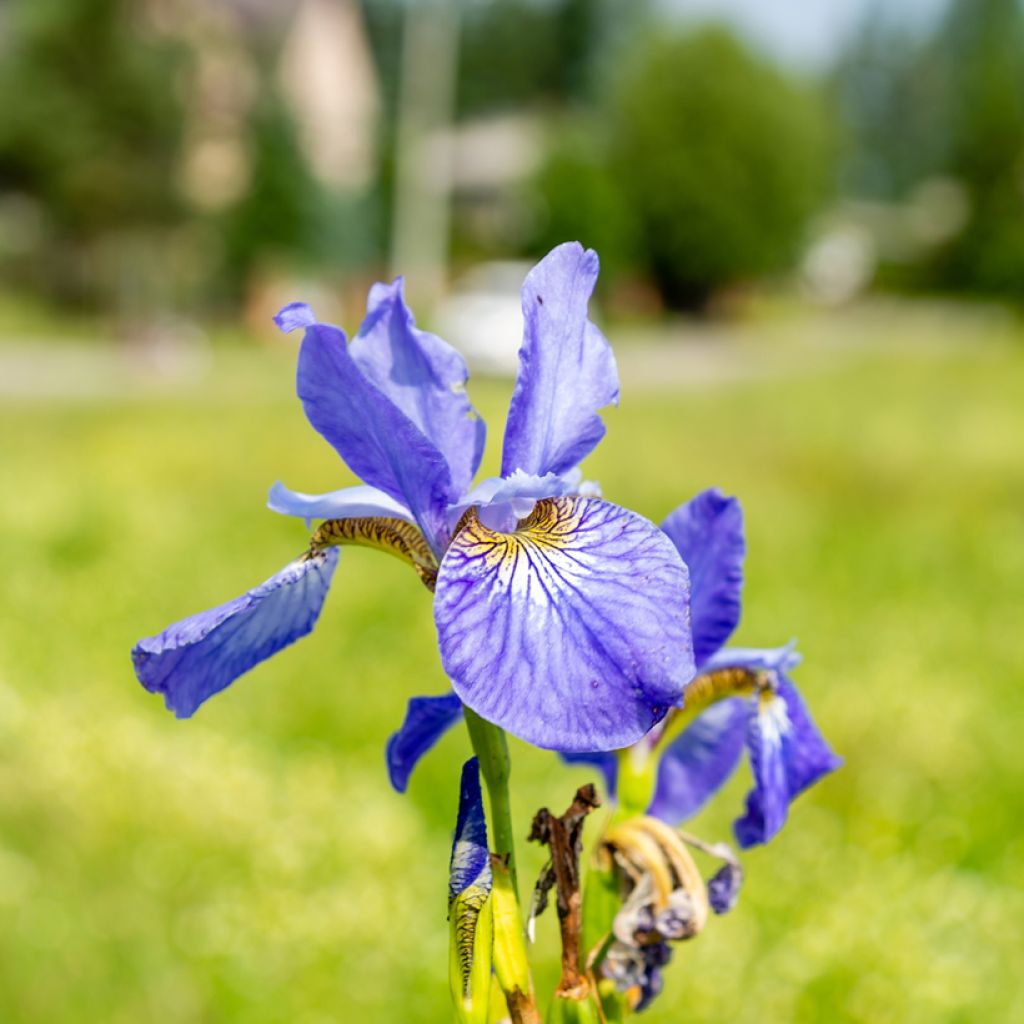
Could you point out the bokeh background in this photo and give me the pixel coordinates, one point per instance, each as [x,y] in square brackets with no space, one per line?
[811,225]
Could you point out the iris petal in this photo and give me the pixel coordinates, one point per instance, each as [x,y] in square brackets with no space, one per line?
[787,754]
[427,719]
[708,533]
[502,502]
[293,316]
[573,632]
[697,763]
[378,442]
[201,655]
[424,377]
[566,368]
[768,801]
[767,659]
[806,754]
[348,503]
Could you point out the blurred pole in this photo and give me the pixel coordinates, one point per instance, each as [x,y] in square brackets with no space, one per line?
[423,186]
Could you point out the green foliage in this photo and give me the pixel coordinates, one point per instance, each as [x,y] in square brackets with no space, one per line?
[710,164]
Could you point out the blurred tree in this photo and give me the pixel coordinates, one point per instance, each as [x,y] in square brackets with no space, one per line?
[711,163]
[981,47]
[277,222]
[580,198]
[949,106]
[516,53]
[384,23]
[892,94]
[90,126]
[508,55]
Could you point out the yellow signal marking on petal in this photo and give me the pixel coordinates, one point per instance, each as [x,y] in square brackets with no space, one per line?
[709,688]
[551,526]
[394,536]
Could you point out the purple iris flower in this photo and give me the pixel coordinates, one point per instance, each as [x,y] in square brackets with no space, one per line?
[745,697]
[560,617]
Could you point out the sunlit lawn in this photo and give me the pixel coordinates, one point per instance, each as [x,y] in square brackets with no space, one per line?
[253,865]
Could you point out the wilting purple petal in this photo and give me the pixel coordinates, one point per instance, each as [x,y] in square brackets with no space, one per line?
[566,368]
[199,656]
[471,862]
[348,503]
[724,887]
[424,377]
[708,533]
[378,442]
[656,957]
[606,762]
[502,502]
[572,632]
[699,761]
[427,719]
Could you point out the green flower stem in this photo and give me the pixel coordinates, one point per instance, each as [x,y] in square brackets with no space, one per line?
[491,749]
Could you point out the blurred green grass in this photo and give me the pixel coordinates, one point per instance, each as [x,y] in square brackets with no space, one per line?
[253,865]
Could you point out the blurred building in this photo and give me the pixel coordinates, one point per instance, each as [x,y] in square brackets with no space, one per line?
[328,77]
[324,69]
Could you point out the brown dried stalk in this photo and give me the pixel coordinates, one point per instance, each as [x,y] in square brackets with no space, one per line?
[564,838]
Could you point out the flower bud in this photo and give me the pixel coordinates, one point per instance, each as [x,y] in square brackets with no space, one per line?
[470,907]
[510,961]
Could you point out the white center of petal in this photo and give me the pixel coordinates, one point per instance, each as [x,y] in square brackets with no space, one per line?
[774,717]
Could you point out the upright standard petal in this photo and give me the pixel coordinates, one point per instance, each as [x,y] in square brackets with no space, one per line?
[378,442]
[698,762]
[572,632]
[502,502]
[424,377]
[566,368]
[787,754]
[427,719]
[708,533]
[348,503]
[201,655]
